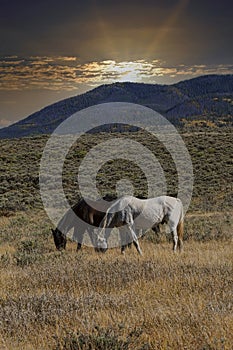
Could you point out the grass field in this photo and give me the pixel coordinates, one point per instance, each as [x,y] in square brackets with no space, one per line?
[72,301]
[69,300]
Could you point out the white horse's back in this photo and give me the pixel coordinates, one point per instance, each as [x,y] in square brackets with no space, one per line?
[148,212]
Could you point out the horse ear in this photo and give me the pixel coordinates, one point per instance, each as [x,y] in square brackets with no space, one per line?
[53,231]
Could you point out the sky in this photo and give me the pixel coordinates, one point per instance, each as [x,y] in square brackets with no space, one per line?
[52,49]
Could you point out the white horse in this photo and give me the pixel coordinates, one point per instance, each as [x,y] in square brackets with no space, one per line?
[144,214]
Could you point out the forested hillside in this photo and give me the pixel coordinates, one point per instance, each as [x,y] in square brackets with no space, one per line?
[207,100]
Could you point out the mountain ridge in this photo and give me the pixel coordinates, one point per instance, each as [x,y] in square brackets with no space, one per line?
[209,96]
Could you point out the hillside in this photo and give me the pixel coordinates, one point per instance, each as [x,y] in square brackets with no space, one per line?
[208,98]
[210,151]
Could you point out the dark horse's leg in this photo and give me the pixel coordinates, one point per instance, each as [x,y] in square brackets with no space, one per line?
[123,247]
[92,236]
[125,239]
[78,236]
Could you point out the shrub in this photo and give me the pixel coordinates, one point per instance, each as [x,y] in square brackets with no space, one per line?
[28,252]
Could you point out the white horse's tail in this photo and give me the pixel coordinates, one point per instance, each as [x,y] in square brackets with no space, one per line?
[180,227]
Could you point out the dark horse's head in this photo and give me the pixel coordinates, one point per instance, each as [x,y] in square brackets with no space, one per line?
[59,239]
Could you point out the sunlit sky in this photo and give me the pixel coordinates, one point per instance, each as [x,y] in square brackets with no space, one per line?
[51,49]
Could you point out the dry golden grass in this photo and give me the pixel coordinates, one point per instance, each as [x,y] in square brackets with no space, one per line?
[86,300]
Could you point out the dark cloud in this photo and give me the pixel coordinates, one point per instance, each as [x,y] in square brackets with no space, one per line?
[196,30]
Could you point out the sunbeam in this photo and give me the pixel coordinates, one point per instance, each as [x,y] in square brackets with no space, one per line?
[164,30]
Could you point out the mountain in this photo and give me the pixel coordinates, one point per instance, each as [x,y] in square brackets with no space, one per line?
[208,97]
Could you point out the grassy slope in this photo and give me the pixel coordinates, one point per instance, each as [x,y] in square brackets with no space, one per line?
[52,300]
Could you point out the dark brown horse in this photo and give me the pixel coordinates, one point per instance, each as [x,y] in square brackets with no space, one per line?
[87,215]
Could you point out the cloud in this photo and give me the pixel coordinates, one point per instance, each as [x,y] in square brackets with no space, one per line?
[64,73]
[4,122]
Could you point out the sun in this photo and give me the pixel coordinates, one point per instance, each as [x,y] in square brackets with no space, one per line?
[126,70]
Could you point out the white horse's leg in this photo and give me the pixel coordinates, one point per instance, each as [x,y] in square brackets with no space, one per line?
[175,239]
[135,240]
